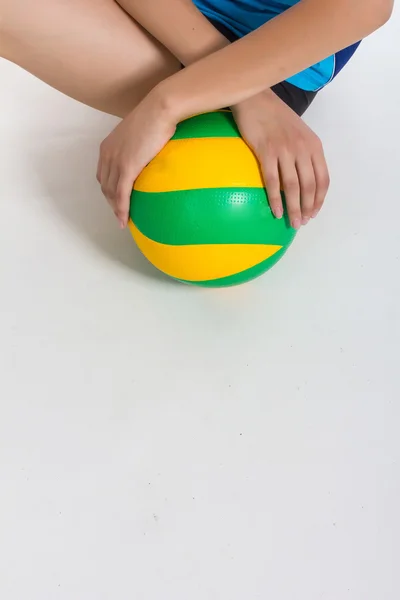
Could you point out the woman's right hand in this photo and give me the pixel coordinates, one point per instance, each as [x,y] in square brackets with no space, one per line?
[290,154]
[129,148]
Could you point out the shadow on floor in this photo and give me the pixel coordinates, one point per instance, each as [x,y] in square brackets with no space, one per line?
[66,166]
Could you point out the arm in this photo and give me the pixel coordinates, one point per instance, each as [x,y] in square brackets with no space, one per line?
[303,35]
[240,74]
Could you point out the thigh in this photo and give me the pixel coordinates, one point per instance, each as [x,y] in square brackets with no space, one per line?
[90,50]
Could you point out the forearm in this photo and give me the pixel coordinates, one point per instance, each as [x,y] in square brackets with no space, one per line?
[178,25]
[302,36]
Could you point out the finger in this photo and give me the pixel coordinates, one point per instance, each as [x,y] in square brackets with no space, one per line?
[291,188]
[122,198]
[322,181]
[103,177]
[98,172]
[308,186]
[273,185]
[110,186]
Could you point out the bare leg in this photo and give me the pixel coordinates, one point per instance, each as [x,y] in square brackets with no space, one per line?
[90,50]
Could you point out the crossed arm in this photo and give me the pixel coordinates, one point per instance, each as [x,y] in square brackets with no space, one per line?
[239,75]
[307,33]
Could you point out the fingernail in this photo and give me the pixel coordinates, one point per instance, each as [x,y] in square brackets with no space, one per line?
[315,214]
[278,212]
[305,220]
[296,224]
[122,225]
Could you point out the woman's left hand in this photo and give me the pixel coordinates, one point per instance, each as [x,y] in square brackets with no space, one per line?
[129,148]
[291,156]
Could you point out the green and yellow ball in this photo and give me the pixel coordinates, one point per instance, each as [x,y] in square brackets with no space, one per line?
[199,211]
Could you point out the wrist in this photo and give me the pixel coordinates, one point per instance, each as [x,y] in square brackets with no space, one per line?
[171,99]
[163,103]
[264,96]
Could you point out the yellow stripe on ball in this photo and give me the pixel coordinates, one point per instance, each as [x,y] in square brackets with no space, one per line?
[201,163]
[202,262]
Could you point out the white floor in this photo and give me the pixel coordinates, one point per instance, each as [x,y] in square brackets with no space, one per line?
[161,442]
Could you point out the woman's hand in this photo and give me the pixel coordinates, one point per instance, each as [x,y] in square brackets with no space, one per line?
[290,154]
[129,148]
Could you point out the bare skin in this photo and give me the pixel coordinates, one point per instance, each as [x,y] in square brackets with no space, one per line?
[90,50]
[96,52]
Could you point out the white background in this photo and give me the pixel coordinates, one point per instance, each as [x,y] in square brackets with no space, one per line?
[162,442]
